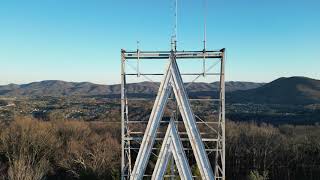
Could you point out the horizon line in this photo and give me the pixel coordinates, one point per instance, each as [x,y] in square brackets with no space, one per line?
[38,81]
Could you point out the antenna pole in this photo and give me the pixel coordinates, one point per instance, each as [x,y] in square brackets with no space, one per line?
[204,24]
[204,36]
[174,37]
[138,60]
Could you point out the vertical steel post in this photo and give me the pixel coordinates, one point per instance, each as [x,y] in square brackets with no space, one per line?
[222,99]
[123,115]
[220,145]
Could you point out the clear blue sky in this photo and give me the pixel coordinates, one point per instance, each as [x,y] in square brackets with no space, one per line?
[80,40]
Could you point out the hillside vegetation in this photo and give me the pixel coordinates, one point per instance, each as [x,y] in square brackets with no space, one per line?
[61,149]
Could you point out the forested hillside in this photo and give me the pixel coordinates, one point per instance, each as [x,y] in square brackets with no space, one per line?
[62,149]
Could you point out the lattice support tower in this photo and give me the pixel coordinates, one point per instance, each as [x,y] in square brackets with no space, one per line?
[187,139]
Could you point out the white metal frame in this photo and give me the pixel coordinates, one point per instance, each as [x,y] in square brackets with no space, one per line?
[172,145]
[172,81]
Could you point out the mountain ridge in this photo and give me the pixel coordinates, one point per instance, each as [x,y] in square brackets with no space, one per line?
[61,88]
[284,90]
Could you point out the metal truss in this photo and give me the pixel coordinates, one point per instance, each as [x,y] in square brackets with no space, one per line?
[172,145]
[141,142]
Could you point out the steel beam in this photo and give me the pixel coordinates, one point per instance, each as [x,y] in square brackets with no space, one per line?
[178,54]
[123,162]
[161,74]
[190,123]
[172,145]
[150,133]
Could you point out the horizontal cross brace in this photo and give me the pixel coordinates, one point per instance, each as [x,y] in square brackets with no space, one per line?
[166,176]
[200,122]
[182,133]
[151,99]
[183,74]
[166,54]
[182,139]
[185,149]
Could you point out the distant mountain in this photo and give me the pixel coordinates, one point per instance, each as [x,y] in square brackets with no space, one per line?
[144,89]
[292,90]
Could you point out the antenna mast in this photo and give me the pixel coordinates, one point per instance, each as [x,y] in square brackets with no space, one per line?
[174,36]
[204,24]
[204,36]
